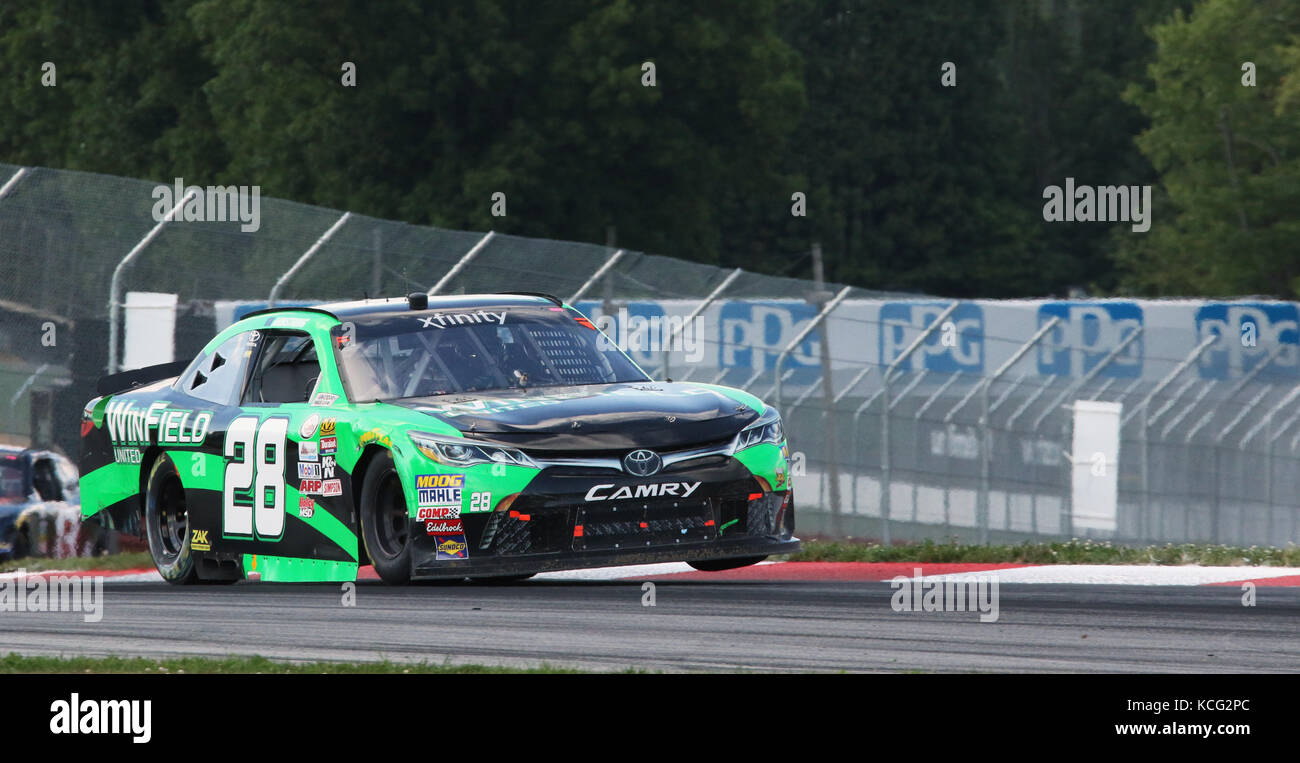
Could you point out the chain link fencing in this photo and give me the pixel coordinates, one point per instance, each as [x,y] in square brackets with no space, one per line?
[909,417]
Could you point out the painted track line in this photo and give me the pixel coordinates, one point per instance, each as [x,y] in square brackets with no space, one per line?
[1068,574]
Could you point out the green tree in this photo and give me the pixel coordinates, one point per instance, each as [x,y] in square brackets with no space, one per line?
[1228,155]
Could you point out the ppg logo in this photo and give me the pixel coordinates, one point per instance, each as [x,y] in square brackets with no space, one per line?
[1248,332]
[946,350]
[755,333]
[1087,333]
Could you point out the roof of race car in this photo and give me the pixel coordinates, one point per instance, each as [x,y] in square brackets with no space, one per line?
[381,306]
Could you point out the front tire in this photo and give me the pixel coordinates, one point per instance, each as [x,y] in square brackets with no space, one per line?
[167,525]
[385,521]
[718,565]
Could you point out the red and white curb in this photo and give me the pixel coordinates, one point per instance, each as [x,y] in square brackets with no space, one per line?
[1071,574]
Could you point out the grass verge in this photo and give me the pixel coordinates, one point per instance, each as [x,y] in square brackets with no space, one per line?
[16,663]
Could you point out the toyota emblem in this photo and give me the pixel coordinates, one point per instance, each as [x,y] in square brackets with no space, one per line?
[642,463]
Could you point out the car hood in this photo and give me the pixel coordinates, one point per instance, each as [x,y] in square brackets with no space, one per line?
[660,416]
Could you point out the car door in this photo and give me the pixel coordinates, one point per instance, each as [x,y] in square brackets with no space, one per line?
[301,507]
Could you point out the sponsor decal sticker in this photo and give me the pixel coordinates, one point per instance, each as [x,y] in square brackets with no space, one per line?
[451,547]
[131,424]
[323,399]
[327,465]
[306,508]
[443,320]
[127,455]
[308,470]
[375,436]
[308,428]
[427,513]
[332,487]
[653,490]
[445,527]
[329,444]
[199,540]
[327,427]
[307,451]
[438,490]
[288,322]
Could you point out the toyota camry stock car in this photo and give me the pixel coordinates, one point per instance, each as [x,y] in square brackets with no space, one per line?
[490,436]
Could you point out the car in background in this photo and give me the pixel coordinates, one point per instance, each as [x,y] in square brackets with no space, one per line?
[473,436]
[40,503]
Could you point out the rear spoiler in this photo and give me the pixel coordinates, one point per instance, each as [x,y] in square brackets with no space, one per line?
[126,380]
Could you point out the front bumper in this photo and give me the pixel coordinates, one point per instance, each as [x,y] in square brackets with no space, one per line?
[578,518]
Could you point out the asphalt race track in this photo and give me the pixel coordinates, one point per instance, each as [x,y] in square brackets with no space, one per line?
[695,626]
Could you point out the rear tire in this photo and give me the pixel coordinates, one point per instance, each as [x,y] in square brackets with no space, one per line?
[385,521]
[718,565]
[167,525]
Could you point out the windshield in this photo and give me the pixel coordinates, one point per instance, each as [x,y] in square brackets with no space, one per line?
[439,352]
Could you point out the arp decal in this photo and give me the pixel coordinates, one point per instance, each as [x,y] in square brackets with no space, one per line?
[954,348]
[1086,334]
[1248,332]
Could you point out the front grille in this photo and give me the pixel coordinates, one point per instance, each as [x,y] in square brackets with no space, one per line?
[641,524]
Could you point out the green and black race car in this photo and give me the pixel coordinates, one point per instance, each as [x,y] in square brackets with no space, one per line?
[472,436]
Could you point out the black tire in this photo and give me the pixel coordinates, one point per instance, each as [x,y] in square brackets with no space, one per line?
[718,565]
[167,525]
[22,544]
[385,521]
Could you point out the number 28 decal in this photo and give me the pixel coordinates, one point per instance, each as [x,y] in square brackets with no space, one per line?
[256,462]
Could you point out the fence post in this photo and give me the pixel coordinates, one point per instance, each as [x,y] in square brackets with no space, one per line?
[713,295]
[600,271]
[12,181]
[307,255]
[115,287]
[885,467]
[1144,439]
[462,262]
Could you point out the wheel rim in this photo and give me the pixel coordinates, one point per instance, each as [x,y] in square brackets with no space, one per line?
[173,516]
[392,523]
